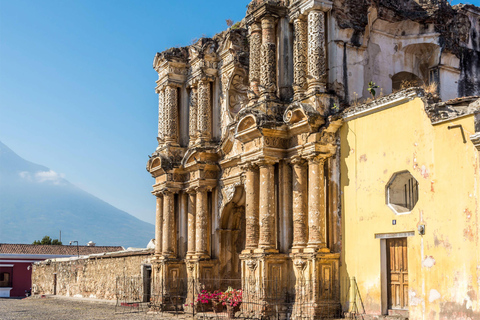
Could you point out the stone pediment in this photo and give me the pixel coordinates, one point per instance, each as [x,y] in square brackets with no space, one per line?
[196,157]
[159,164]
[301,117]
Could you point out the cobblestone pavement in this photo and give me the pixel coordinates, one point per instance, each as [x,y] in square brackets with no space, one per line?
[52,308]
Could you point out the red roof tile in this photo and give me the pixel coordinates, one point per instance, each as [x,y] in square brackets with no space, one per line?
[6,248]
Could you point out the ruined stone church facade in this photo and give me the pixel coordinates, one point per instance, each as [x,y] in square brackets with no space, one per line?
[247,170]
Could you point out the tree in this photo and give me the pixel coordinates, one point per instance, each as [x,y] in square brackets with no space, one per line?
[48,241]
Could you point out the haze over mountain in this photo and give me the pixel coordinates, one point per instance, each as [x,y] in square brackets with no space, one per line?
[36,201]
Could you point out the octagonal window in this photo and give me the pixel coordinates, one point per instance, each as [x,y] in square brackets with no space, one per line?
[402,192]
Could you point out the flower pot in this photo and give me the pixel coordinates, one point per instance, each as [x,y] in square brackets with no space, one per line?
[203,307]
[231,310]
[217,307]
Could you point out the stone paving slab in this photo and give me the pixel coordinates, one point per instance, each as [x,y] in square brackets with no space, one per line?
[53,308]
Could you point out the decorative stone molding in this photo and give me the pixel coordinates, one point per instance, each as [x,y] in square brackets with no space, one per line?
[237,94]
[300,264]
[301,117]
[252,264]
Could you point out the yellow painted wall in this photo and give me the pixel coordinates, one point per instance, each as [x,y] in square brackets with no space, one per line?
[373,148]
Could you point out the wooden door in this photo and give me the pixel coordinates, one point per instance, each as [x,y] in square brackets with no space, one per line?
[397,273]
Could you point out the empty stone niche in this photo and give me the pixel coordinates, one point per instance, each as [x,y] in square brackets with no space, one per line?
[402,192]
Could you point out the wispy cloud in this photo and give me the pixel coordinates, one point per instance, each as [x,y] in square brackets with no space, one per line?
[43,176]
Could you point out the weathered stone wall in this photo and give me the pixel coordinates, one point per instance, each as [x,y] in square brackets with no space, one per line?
[91,277]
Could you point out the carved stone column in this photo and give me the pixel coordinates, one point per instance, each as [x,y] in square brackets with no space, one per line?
[300,61]
[267,206]
[201,248]
[300,231]
[317,61]
[171,115]
[316,204]
[251,207]
[161,115]
[193,116]
[159,226]
[268,67]
[255,49]
[169,234]
[204,125]
[191,205]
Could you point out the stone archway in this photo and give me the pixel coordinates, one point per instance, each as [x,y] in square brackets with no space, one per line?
[232,238]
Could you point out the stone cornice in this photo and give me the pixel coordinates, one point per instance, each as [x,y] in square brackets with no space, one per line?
[476,140]
[303,7]
[270,7]
[381,104]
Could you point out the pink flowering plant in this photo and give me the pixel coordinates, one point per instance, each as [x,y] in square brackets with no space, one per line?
[206,297]
[231,297]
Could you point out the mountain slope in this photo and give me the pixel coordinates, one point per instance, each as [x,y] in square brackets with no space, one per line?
[35,201]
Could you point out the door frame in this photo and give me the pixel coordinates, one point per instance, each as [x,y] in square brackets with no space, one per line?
[383,263]
[147,268]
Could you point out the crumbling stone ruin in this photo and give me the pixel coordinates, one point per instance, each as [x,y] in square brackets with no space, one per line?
[246,170]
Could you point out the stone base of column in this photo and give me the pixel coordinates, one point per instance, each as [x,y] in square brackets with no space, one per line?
[201,275]
[298,95]
[171,150]
[297,249]
[316,87]
[264,279]
[265,251]
[317,286]
[168,284]
[324,103]
[315,249]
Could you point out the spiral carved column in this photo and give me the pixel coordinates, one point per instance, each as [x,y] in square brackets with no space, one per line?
[300,61]
[255,49]
[268,67]
[171,114]
[193,116]
[161,115]
[317,61]
[204,125]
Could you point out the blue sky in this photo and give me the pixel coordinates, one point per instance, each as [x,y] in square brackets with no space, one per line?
[77,85]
